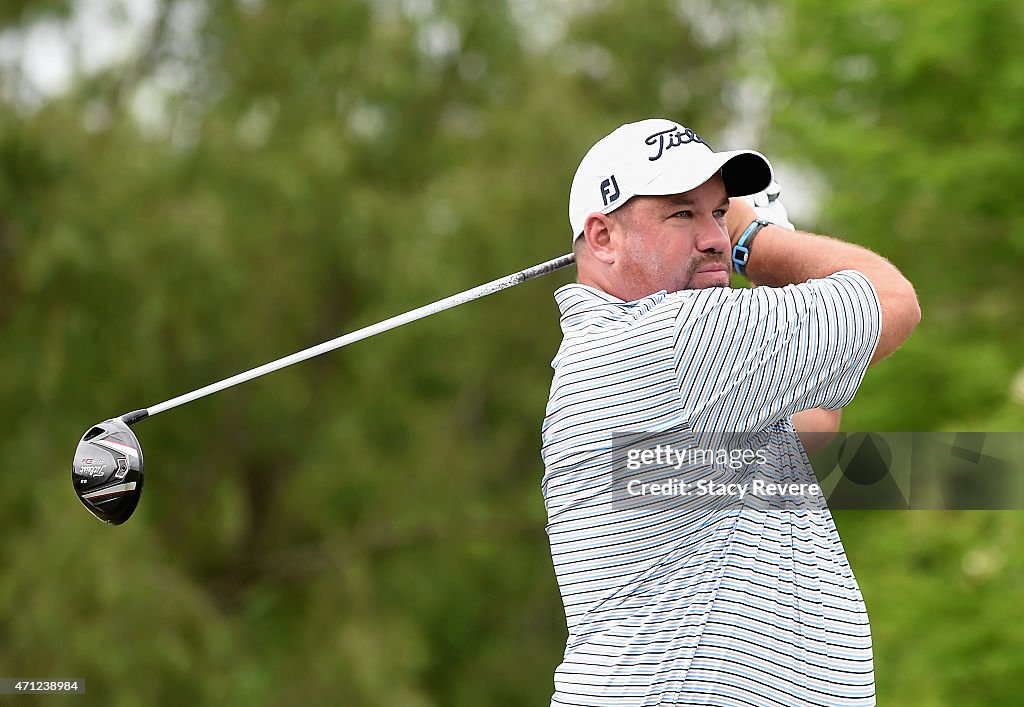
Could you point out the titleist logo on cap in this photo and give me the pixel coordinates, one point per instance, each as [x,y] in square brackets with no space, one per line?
[673,137]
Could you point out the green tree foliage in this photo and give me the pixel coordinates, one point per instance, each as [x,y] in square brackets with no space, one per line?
[367,528]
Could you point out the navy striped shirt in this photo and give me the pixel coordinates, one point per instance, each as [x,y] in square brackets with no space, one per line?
[703,600]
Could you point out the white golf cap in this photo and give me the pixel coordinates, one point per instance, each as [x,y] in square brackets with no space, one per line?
[652,158]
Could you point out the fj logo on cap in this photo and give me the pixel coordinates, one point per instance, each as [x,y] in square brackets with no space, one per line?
[673,137]
[609,190]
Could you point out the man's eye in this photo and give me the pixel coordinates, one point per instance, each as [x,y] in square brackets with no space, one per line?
[682,214]
[719,213]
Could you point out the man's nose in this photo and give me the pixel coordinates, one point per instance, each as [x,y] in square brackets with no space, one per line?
[712,236]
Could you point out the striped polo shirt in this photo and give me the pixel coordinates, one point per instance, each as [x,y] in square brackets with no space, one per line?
[696,598]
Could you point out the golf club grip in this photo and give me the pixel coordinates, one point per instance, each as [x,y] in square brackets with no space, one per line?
[488,288]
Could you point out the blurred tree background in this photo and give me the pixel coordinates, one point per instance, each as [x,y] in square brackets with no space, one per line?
[248,178]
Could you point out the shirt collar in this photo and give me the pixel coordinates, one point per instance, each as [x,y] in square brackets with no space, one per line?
[583,305]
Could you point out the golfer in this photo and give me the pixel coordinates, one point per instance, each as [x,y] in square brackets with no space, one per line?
[695,589]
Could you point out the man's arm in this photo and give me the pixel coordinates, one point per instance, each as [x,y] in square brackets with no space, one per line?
[816,427]
[780,257]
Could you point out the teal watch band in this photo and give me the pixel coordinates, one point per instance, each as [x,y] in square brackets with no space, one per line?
[741,251]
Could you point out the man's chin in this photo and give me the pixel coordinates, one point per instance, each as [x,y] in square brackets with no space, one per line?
[705,280]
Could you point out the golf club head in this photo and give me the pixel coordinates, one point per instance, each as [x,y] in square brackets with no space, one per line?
[107,471]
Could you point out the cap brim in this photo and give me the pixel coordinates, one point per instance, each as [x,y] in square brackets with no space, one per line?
[743,172]
[746,172]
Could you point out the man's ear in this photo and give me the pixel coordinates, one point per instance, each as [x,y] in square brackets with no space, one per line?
[597,232]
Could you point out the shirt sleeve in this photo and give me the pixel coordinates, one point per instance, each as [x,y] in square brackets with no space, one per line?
[747,358]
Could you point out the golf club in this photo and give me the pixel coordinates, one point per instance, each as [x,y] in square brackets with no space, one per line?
[107,469]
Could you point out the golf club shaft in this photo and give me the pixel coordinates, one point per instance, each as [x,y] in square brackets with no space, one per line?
[346,339]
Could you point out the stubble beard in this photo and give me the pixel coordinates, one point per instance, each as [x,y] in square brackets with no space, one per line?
[658,273]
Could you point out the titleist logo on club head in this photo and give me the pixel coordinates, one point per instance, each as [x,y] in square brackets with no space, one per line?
[673,137]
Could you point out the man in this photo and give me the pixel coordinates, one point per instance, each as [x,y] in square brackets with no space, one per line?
[692,590]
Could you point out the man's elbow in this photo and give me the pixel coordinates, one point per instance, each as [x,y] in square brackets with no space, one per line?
[901,313]
[910,310]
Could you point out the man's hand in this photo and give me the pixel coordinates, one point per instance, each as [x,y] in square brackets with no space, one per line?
[768,206]
[765,205]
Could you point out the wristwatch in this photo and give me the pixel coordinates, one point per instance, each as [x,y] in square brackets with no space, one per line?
[741,251]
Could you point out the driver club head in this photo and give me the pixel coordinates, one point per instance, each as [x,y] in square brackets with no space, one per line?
[107,471]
